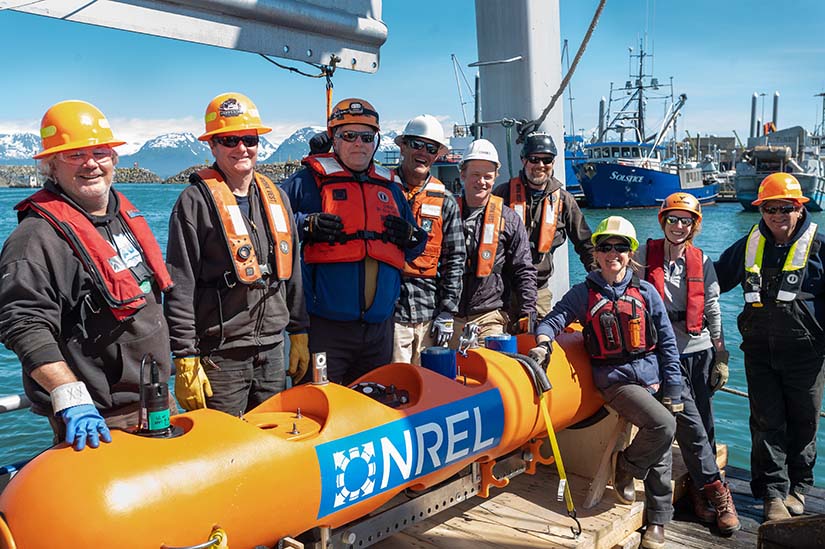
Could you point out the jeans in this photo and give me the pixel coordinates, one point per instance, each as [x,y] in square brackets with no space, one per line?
[245,377]
[353,348]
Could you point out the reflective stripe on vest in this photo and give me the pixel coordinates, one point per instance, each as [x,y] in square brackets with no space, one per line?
[245,263]
[617,329]
[362,207]
[426,205]
[695,281]
[550,211]
[797,258]
[100,260]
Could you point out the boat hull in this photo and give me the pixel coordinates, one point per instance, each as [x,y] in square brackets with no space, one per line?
[747,189]
[615,185]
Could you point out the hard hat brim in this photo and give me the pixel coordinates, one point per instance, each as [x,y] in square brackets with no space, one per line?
[208,135]
[400,138]
[798,199]
[83,144]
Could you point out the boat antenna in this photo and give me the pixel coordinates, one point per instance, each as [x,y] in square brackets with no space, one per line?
[457,70]
[820,130]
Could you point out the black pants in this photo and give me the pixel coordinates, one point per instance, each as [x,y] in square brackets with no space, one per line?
[353,348]
[245,377]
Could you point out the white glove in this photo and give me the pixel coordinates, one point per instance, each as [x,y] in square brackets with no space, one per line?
[442,329]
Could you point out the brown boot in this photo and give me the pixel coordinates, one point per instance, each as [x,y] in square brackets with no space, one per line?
[623,483]
[654,537]
[795,503]
[701,508]
[726,518]
[775,509]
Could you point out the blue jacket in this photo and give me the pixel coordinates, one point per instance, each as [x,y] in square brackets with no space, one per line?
[661,367]
[336,290]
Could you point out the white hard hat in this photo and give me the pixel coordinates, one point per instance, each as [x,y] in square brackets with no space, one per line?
[425,126]
[481,149]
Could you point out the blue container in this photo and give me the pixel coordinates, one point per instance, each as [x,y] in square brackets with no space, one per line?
[503,343]
[440,360]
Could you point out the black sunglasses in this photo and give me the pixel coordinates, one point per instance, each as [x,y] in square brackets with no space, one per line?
[350,136]
[543,159]
[231,141]
[417,144]
[778,209]
[607,247]
[674,219]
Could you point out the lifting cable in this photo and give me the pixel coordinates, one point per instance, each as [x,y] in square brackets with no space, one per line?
[324,71]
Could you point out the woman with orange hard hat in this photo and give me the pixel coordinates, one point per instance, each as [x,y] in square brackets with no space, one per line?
[780,265]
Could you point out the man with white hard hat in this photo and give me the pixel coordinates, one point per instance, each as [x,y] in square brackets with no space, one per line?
[431,286]
[498,249]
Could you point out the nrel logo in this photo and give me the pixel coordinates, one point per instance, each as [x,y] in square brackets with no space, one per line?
[365,464]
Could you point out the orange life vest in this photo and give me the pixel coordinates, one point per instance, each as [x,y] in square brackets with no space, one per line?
[362,207]
[694,317]
[550,211]
[112,279]
[245,262]
[426,206]
[488,242]
[620,330]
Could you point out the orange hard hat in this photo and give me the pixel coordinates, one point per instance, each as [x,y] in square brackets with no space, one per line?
[73,124]
[685,202]
[353,111]
[231,112]
[780,186]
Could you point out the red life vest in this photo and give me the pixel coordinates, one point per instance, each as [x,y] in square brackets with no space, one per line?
[426,205]
[239,245]
[620,330]
[362,207]
[119,288]
[488,241]
[550,211]
[694,317]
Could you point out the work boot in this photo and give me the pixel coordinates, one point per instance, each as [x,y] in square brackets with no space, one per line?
[775,509]
[701,508]
[623,483]
[795,503]
[654,537]
[726,517]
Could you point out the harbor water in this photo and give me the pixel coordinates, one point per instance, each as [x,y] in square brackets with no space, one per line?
[23,435]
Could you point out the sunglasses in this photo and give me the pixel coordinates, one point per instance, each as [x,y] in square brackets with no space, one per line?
[350,136]
[607,247]
[684,221]
[417,144]
[231,141]
[78,158]
[543,159]
[778,209]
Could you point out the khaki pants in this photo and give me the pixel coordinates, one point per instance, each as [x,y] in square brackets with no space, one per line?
[489,323]
[544,303]
[409,340]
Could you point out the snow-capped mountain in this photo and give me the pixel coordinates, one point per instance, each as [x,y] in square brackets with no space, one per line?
[294,147]
[18,148]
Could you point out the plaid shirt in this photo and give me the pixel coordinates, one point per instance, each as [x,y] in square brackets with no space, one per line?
[423,298]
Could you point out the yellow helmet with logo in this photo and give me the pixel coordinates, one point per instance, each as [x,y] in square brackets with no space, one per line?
[73,124]
[616,225]
[231,112]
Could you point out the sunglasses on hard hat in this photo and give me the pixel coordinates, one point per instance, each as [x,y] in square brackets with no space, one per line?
[771,210]
[674,219]
[350,136]
[546,160]
[417,144]
[80,157]
[231,141]
[608,247]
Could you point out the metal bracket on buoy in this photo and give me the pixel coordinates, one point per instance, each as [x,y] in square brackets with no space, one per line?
[319,369]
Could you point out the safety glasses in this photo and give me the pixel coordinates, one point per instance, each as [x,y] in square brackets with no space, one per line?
[543,159]
[417,144]
[607,247]
[684,221]
[80,157]
[231,141]
[350,136]
[771,210]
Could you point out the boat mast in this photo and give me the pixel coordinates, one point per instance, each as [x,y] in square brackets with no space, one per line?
[640,120]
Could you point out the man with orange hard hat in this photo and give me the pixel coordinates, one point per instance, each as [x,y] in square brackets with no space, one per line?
[780,265]
[233,252]
[357,232]
[81,284]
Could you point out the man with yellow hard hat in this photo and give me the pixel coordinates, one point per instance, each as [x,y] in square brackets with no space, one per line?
[780,265]
[357,232]
[81,279]
[233,252]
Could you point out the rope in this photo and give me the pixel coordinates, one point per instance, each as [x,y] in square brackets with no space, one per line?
[534,125]
[744,394]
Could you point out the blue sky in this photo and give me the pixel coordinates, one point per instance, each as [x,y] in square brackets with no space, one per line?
[719,53]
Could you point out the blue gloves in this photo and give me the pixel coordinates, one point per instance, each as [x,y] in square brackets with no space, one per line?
[442,329]
[672,398]
[84,422]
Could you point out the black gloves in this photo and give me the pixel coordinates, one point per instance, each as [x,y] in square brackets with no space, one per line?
[323,227]
[320,143]
[400,232]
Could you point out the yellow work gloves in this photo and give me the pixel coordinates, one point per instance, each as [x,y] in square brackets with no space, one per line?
[191,384]
[298,356]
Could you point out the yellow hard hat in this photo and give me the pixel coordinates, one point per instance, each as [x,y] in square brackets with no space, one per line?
[780,186]
[73,124]
[353,111]
[616,225]
[231,112]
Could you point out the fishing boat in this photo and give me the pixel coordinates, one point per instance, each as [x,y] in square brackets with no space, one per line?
[791,150]
[573,153]
[637,172]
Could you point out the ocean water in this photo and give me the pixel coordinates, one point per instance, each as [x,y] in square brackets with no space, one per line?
[23,435]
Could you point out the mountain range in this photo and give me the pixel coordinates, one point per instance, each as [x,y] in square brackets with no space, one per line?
[170,153]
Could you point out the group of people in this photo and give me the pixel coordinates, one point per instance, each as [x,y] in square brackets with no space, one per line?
[370,265]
